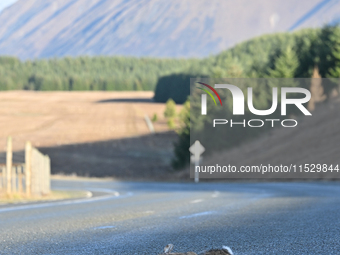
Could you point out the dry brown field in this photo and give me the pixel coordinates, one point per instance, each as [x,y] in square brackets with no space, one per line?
[89,133]
[60,118]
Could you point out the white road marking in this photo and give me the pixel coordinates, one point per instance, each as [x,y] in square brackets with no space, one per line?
[196,201]
[149,212]
[114,194]
[104,227]
[215,194]
[197,215]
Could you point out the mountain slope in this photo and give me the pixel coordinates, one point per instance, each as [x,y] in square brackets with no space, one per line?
[192,28]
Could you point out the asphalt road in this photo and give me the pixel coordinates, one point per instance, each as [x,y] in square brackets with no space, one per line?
[141,218]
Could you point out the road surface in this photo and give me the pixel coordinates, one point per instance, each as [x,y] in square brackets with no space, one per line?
[141,218]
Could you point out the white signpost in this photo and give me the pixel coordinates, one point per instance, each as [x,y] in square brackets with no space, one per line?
[197,150]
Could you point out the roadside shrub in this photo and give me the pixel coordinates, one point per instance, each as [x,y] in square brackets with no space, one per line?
[170,109]
[171,123]
[154,118]
[181,147]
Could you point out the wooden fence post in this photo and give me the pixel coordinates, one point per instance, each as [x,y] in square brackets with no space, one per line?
[9,158]
[14,179]
[47,172]
[20,179]
[2,177]
[28,168]
[35,173]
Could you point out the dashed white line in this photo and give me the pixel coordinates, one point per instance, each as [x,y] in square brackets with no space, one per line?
[149,212]
[104,227]
[196,201]
[215,194]
[197,215]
